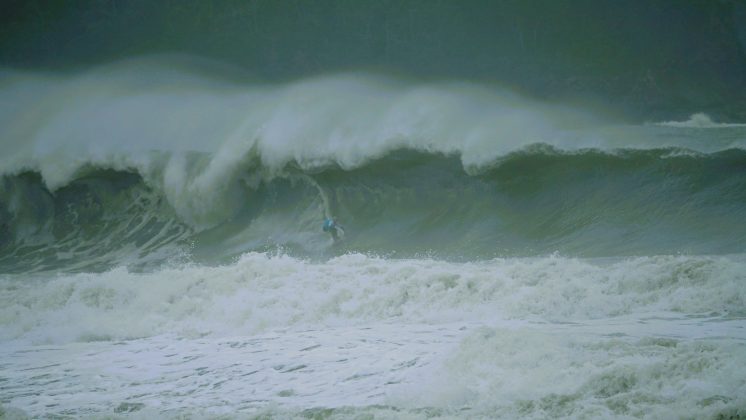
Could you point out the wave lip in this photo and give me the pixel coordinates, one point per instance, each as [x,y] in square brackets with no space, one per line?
[118,115]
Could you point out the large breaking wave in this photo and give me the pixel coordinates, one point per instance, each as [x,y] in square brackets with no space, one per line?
[534,202]
[150,160]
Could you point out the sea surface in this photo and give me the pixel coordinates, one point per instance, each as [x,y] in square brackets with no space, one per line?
[161,251]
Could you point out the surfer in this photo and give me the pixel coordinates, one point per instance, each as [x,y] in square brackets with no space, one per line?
[333,228]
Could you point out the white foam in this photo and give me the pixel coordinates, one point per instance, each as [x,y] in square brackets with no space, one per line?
[395,370]
[538,373]
[260,292]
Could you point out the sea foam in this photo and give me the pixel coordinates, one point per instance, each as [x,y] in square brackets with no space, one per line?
[260,292]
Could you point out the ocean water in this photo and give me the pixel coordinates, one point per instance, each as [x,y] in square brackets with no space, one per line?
[161,251]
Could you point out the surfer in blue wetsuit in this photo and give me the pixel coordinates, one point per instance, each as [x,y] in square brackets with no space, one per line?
[333,228]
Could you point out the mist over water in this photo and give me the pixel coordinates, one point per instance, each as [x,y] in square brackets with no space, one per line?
[536,231]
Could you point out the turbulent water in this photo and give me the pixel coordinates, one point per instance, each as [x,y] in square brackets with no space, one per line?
[162,255]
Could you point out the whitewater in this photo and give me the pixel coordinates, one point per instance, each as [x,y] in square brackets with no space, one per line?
[161,251]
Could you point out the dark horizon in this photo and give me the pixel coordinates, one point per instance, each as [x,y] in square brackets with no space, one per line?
[661,58]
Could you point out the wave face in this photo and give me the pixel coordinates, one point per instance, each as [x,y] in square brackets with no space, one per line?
[97,221]
[535,202]
[138,164]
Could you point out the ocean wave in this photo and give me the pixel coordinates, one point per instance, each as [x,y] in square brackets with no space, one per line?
[223,165]
[534,202]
